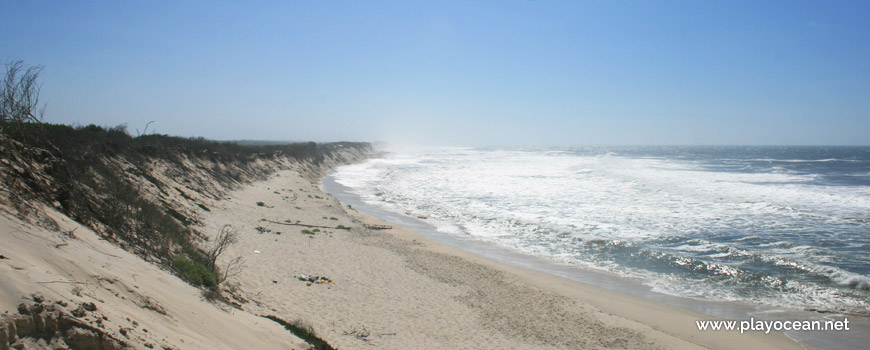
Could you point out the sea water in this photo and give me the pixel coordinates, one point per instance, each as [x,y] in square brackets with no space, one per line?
[786,227]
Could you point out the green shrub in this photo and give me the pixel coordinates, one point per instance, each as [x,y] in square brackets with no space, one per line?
[195,273]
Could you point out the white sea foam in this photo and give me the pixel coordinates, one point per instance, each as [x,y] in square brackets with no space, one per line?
[553,202]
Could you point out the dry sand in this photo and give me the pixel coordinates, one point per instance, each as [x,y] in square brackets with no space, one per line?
[135,302]
[395,289]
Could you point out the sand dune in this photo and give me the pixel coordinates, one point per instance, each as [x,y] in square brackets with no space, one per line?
[136,303]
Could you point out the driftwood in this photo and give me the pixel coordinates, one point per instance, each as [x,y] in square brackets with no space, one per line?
[378,227]
[318,226]
[71,282]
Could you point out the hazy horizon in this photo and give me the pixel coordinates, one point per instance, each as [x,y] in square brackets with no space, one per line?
[456,73]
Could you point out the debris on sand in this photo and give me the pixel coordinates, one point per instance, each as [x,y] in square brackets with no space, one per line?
[378,227]
[314,279]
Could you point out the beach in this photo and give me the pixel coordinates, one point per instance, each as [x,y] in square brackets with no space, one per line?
[304,257]
[317,175]
[396,289]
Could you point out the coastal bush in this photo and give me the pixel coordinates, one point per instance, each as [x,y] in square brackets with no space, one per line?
[19,99]
[225,238]
[195,273]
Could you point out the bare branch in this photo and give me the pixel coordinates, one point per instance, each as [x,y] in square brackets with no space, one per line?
[233,268]
[19,96]
[225,238]
[146,129]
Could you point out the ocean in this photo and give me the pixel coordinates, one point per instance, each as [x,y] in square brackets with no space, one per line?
[783,227]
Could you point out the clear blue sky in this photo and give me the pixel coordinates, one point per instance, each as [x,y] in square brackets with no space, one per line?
[456,72]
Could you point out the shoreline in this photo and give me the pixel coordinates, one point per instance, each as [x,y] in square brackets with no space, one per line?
[660,316]
[857,337]
[302,257]
[397,289]
[703,309]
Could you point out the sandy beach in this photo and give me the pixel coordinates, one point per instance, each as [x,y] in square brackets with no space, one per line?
[404,175]
[395,289]
[308,258]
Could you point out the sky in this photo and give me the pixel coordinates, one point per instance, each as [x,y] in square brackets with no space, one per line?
[511,72]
